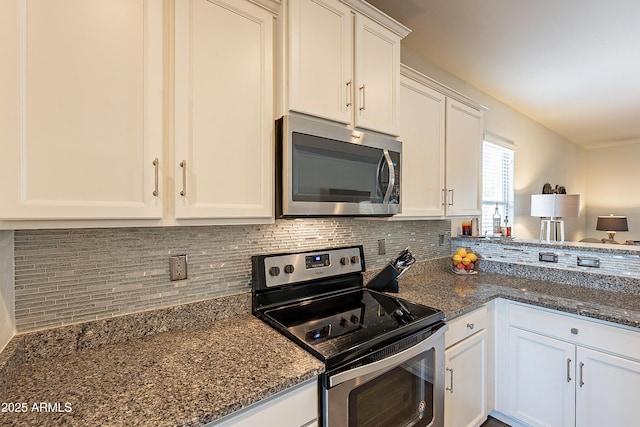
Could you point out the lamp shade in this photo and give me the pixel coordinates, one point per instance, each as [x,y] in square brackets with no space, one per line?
[555,205]
[612,223]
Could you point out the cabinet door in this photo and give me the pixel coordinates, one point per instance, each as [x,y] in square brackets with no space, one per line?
[465,402]
[223,110]
[541,379]
[82,92]
[320,58]
[463,159]
[607,390]
[422,134]
[377,77]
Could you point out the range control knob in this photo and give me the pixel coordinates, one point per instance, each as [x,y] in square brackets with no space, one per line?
[354,319]
[274,271]
[355,259]
[343,322]
[344,260]
[288,268]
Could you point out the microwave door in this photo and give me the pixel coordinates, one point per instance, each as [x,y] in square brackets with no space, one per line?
[385,177]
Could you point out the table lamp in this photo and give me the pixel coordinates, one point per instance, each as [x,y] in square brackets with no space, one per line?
[612,224]
[554,207]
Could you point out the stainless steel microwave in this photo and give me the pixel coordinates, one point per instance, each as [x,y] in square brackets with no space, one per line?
[324,169]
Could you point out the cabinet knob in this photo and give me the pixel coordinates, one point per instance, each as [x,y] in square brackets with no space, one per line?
[470,326]
[574,331]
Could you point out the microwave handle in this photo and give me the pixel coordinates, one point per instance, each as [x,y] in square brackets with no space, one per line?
[392,175]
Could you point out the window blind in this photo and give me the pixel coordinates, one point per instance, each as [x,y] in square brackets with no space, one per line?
[497,183]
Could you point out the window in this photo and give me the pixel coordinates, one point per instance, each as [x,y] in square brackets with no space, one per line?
[497,181]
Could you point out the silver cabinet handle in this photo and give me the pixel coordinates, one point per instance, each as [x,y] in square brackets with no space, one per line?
[470,326]
[444,197]
[451,191]
[581,377]
[362,106]
[183,165]
[156,166]
[450,388]
[349,100]
[568,370]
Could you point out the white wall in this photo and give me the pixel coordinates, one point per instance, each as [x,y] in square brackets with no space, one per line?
[7,322]
[613,179]
[542,156]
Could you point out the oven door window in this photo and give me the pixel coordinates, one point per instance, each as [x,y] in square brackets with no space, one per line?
[402,396]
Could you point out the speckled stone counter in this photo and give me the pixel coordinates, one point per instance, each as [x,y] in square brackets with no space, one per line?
[185,377]
[188,365]
[458,294]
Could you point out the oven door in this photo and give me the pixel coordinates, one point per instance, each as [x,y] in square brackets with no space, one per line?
[401,390]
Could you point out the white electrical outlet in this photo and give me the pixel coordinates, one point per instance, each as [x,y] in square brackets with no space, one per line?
[178,267]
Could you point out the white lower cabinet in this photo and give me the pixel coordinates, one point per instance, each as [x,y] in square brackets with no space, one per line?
[607,389]
[295,407]
[468,370]
[540,383]
[568,371]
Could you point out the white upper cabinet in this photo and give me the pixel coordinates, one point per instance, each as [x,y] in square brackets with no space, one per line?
[81,109]
[377,77]
[127,112]
[342,63]
[441,152]
[422,112]
[464,130]
[223,110]
[320,65]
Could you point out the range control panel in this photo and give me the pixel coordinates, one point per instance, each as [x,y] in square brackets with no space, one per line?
[305,266]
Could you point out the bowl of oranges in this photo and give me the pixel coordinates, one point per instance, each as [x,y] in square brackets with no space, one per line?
[464,261]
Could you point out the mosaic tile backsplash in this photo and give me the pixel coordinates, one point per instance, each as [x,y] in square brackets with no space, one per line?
[76,275]
[613,260]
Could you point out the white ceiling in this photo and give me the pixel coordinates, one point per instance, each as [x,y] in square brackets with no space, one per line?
[571,65]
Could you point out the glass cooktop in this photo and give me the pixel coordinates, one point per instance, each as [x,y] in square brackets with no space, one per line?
[329,326]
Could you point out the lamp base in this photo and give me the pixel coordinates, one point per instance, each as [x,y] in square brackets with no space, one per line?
[545,229]
[611,234]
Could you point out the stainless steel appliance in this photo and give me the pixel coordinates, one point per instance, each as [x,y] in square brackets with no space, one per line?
[384,356]
[325,169]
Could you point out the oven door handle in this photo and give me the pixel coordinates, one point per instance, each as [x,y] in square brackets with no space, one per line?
[389,362]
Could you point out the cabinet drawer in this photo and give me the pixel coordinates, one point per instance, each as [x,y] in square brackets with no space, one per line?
[467,325]
[588,333]
[295,407]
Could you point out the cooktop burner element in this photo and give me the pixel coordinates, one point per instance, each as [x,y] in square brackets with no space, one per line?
[318,300]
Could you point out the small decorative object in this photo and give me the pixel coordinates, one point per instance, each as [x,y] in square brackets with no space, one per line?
[612,224]
[464,261]
[547,189]
[497,226]
[507,228]
[466,228]
[475,231]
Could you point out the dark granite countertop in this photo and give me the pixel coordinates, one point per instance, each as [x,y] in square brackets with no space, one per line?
[459,294]
[195,373]
[185,377]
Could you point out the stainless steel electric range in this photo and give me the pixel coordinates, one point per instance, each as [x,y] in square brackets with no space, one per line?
[384,356]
